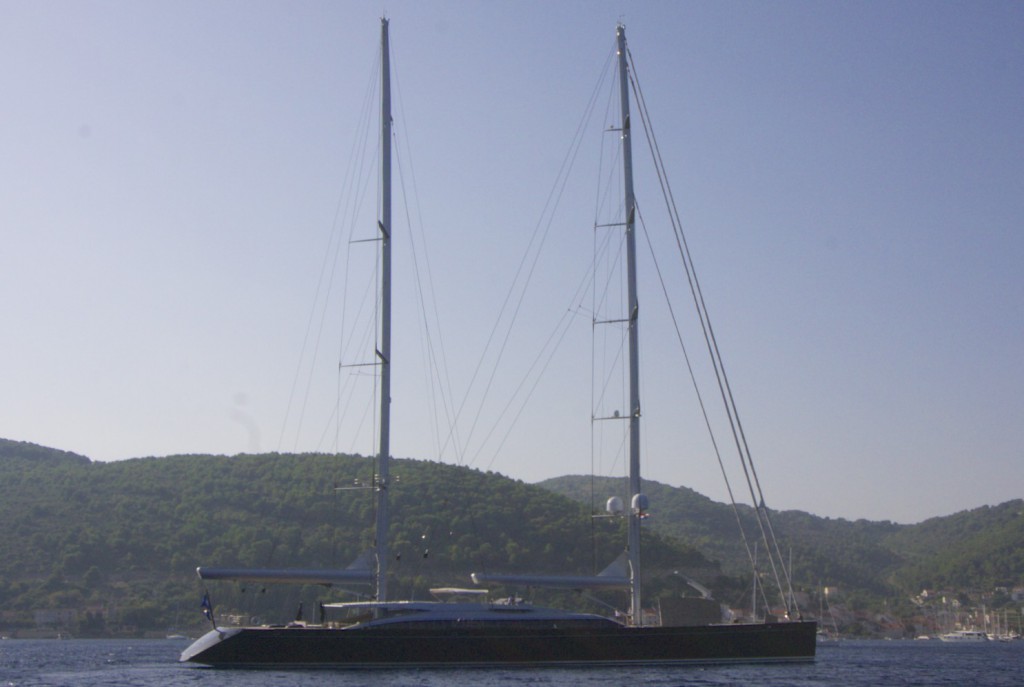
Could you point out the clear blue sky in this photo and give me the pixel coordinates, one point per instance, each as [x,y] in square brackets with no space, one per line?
[850,175]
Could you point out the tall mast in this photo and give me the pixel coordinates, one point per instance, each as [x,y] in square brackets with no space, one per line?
[384,350]
[638,501]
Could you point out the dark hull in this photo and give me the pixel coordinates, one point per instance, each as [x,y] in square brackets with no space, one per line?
[421,647]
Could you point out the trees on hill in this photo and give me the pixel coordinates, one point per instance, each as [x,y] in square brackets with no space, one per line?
[118,543]
[125,538]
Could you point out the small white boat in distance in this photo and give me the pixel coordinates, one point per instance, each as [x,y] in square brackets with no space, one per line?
[964,636]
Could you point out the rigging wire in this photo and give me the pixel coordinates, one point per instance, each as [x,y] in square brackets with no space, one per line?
[609,375]
[553,342]
[523,276]
[438,376]
[340,228]
[709,337]
[599,250]
[746,459]
[696,387]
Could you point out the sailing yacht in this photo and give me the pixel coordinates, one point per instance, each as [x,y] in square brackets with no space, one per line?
[396,633]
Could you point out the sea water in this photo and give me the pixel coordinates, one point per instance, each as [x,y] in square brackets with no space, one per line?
[154,663]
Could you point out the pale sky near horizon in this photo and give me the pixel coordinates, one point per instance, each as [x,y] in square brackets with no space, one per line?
[850,177]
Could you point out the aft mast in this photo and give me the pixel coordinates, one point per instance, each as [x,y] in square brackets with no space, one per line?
[638,500]
[384,347]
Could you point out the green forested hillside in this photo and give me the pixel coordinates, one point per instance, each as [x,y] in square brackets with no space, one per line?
[979,549]
[838,552]
[123,539]
[119,542]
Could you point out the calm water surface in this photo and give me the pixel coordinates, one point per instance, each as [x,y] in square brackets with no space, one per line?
[145,663]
